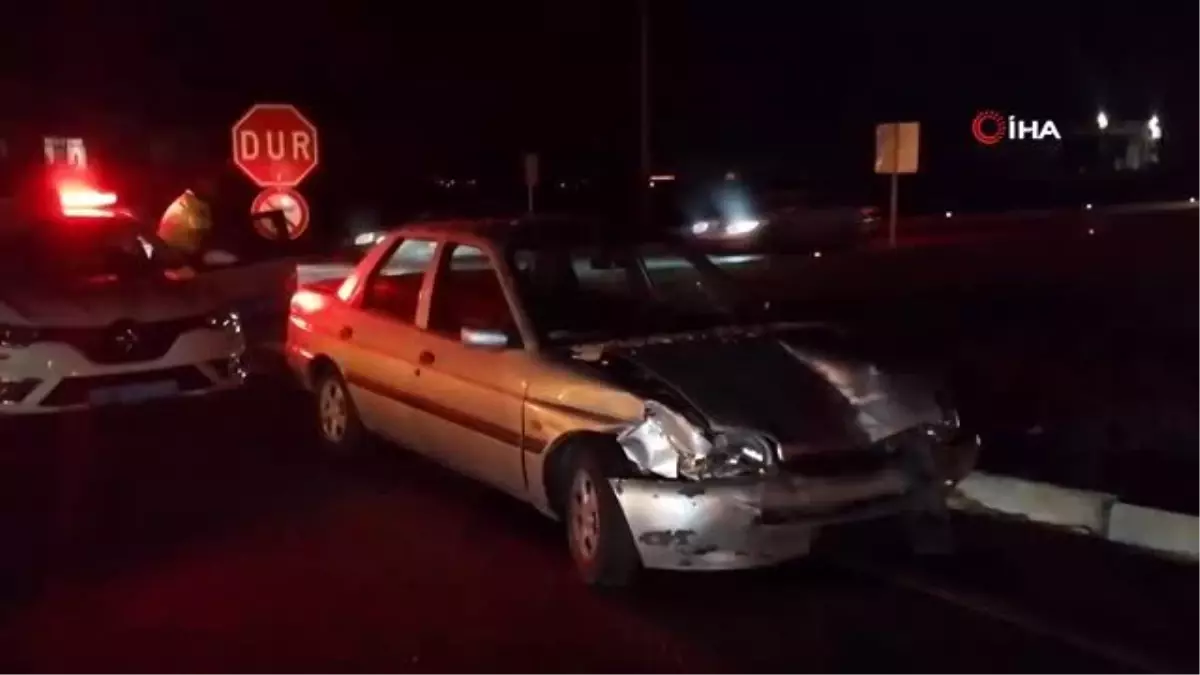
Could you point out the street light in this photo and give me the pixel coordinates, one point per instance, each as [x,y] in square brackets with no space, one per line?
[1154,127]
[1102,120]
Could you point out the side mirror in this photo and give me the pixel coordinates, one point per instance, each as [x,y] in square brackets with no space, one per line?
[484,338]
[218,258]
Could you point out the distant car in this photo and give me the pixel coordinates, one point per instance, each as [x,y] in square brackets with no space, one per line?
[623,386]
[735,216]
[95,310]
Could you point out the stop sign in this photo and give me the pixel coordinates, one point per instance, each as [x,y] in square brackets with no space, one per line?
[275,145]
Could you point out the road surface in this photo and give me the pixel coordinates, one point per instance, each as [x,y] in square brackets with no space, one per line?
[213,537]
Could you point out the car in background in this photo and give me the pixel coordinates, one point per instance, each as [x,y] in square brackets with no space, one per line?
[626,386]
[96,310]
[736,214]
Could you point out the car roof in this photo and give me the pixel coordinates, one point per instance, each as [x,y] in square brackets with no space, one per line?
[543,231]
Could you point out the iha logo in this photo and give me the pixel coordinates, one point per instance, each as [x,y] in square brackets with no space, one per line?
[990,127]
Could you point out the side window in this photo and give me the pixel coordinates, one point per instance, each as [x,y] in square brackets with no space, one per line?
[573,280]
[677,280]
[468,294]
[394,288]
[600,273]
[752,266]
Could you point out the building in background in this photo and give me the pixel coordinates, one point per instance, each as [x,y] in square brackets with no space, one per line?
[1127,145]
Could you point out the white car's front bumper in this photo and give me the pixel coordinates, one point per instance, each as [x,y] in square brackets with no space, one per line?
[54,377]
[752,522]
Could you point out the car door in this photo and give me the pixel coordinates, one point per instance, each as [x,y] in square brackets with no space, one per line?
[382,341]
[472,393]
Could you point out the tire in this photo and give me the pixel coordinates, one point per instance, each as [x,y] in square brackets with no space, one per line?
[598,535]
[341,432]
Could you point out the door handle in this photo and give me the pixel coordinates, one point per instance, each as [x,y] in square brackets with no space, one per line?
[346,333]
[425,358]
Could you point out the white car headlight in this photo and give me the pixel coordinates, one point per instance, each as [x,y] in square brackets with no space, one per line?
[667,444]
[948,429]
[733,453]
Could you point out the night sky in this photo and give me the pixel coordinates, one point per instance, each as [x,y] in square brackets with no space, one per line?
[401,88]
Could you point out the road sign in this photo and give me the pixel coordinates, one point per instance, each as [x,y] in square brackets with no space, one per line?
[896,147]
[66,151]
[896,152]
[275,145]
[280,200]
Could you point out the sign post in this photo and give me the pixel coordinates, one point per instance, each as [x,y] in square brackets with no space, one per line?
[276,146]
[897,147]
[531,178]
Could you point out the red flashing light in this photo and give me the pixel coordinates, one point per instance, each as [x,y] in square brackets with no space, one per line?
[82,200]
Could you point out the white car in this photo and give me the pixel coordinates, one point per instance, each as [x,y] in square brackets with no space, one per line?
[94,310]
[632,389]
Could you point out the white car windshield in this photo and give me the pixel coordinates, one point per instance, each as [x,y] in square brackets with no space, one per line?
[583,294]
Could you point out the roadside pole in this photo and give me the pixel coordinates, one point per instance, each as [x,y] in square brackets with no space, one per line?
[896,152]
[643,192]
[531,179]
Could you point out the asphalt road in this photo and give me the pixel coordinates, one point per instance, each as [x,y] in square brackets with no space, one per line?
[213,537]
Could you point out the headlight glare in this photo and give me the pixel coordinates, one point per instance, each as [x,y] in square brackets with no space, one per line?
[742,226]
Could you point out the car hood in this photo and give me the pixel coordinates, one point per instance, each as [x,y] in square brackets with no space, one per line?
[102,302]
[809,387]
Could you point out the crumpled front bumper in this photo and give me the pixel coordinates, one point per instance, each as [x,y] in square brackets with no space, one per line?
[753,522]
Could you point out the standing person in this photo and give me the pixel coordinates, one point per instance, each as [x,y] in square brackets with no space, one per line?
[187,224]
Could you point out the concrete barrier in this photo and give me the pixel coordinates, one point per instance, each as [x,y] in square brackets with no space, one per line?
[1092,513]
[1175,533]
[1040,502]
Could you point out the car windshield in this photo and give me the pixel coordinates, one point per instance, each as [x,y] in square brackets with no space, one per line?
[583,294]
[65,251]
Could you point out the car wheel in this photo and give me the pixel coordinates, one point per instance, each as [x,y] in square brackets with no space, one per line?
[337,418]
[597,532]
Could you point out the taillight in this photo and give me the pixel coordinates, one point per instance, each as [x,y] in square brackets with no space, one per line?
[307,302]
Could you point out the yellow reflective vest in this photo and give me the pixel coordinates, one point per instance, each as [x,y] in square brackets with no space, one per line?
[186,223]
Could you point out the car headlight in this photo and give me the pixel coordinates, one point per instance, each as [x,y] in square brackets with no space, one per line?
[228,321]
[740,227]
[667,444]
[18,336]
[733,453]
[948,428]
[955,450]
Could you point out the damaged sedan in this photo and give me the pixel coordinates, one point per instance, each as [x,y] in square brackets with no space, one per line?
[633,389]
